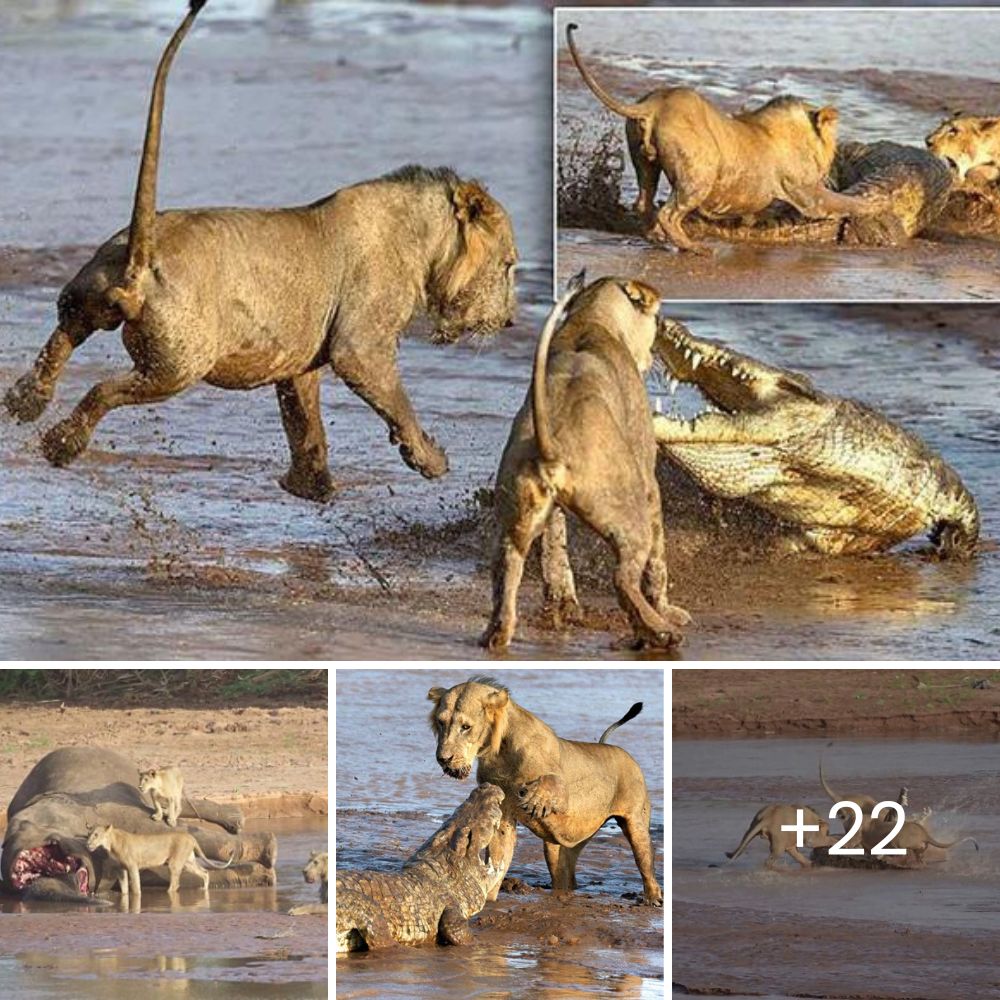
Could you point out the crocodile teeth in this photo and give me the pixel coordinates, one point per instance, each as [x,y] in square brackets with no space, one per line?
[695,361]
[687,353]
[673,386]
[658,405]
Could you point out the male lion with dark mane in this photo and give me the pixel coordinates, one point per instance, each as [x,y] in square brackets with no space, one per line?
[563,791]
[241,298]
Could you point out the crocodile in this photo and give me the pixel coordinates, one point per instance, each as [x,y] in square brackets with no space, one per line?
[912,183]
[444,883]
[845,477]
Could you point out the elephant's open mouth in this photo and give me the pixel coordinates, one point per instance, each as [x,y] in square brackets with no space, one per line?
[47,860]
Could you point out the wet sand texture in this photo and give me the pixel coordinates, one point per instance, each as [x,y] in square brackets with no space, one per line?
[171,538]
[900,93]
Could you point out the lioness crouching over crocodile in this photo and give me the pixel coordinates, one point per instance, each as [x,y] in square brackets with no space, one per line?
[723,165]
[563,791]
[446,881]
[242,298]
[906,190]
[845,477]
[582,441]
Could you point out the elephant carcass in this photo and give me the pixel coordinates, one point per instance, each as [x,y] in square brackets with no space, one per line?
[74,788]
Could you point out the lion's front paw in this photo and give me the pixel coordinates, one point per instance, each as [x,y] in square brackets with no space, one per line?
[25,400]
[652,897]
[309,484]
[562,612]
[64,442]
[428,457]
[542,796]
[497,637]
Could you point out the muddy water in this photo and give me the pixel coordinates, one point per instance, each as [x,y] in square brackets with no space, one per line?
[170,536]
[391,794]
[882,89]
[720,784]
[204,947]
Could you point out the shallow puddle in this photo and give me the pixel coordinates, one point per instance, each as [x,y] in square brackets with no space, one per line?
[221,946]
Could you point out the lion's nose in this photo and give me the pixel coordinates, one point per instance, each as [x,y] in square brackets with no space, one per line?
[927,142]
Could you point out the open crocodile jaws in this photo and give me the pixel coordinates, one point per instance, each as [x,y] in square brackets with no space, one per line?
[846,477]
[444,883]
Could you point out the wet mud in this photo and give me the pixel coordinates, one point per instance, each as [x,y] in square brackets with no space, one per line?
[828,932]
[170,536]
[900,95]
[391,793]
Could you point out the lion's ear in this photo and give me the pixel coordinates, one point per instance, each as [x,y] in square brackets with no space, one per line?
[435,694]
[472,202]
[644,297]
[496,700]
[826,117]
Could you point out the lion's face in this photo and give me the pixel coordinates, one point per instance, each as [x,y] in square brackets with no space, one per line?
[98,838]
[467,722]
[967,143]
[478,294]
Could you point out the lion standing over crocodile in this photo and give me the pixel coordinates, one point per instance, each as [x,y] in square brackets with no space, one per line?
[563,791]
[242,298]
[726,165]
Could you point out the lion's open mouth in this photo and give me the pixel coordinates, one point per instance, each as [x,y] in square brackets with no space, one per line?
[458,772]
[48,859]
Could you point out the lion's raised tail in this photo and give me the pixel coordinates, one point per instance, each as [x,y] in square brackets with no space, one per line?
[539,401]
[754,830]
[630,714]
[834,797]
[128,296]
[954,843]
[619,107]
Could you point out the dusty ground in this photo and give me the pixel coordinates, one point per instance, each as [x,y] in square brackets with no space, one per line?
[818,701]
[953,965]
[271,762]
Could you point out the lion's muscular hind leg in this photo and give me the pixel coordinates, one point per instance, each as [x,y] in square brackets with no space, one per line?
[65,440]
[636,830]
[373,375]
[309,474]
[27,398]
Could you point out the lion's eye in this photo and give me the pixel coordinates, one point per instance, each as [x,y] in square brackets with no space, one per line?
[465,727]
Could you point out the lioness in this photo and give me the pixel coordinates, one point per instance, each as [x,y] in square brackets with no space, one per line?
[726,165]
[864,802]
[583,441]
[912,837]
[136,851]
[768,823]
[970,145]
[165,786]
[562,790]
[242,298]
[316,870]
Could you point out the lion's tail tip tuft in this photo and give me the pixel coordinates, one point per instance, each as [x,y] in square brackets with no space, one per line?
[195,5]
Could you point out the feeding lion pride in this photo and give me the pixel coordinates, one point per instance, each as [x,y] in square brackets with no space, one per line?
[242,298]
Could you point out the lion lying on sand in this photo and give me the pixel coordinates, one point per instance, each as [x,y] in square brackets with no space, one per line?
[563,791]
[242,298]
[725,165]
